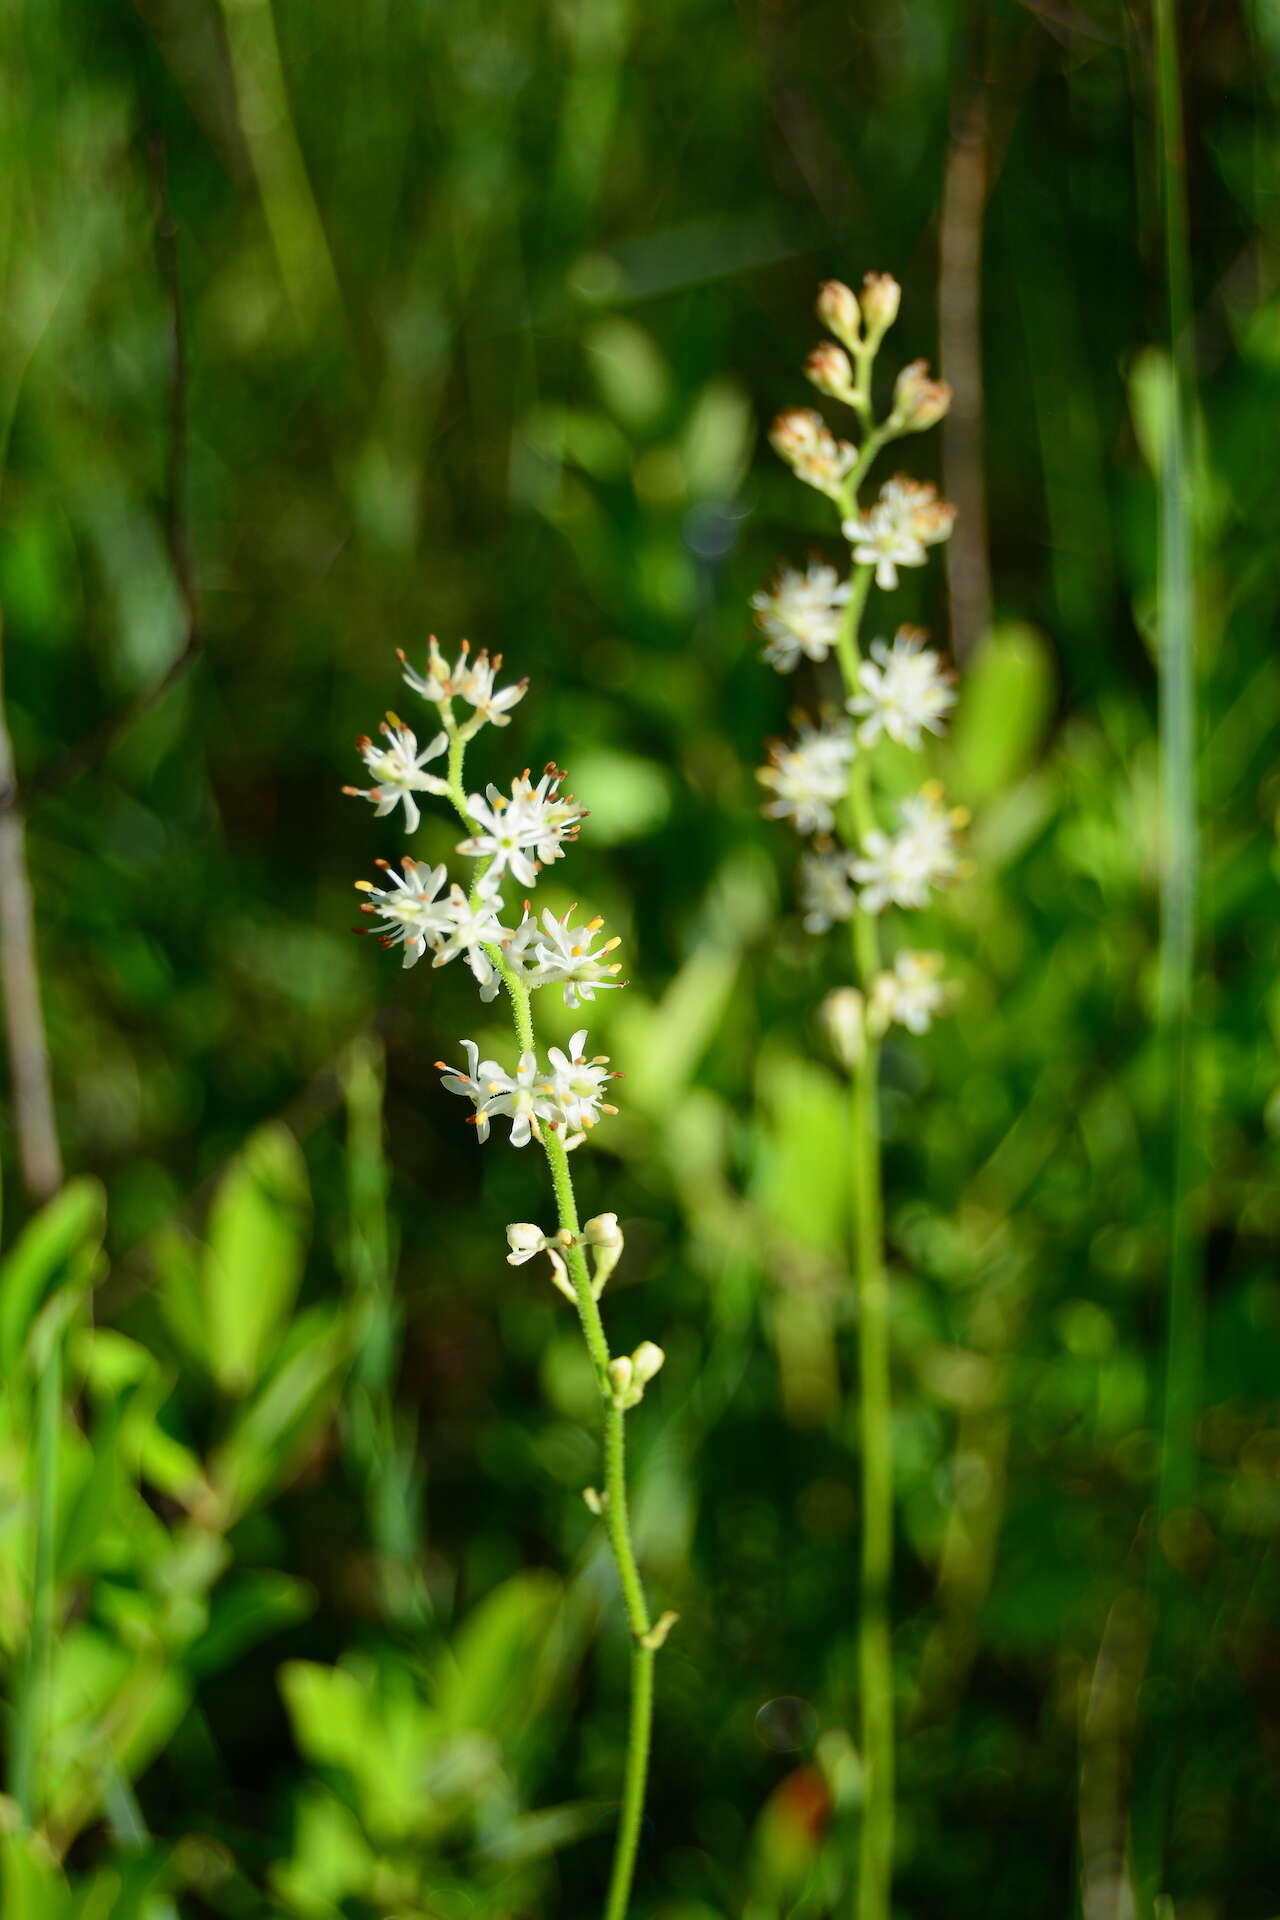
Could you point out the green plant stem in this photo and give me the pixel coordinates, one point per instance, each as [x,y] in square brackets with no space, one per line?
[618,1526]
[31,1712]
[875,1652]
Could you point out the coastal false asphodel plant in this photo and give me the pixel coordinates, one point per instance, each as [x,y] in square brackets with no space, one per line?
[870,855]
[553,1096]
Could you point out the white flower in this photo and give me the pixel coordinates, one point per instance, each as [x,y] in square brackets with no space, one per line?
[567,1095]
[413,916]
[899,870]
[578,1085]
[804,440]
[904,690]
[525,1240]
[524,833]
[416,919]
[800,614]
[548,817]
[825,893]
[567,956]
[476,687]
[397,769]
[911,994]
[480,1084]
[907,518]
[492,1091]
[469,929]
[468,679]
[809,778]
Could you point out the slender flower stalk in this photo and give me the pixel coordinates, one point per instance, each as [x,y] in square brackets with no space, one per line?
[555,1096]
[861,864]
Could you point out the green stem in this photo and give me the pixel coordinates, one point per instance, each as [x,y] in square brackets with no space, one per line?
[31,1714]
[875,1651]
[618,1526]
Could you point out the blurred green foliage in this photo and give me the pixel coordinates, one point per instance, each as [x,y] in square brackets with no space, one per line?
[482,310]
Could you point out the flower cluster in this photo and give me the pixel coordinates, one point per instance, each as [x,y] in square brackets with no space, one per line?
[907,518]
[512,835]
[859,862]
[566,1095]
[800,614]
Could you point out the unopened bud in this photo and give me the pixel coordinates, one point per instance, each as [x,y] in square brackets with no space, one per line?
[843,1015]
[646,1361]
[918,401]
[881,298]
[620,1371]
[830,370]
[657,1634]
[796,432]
[594,1499]
[806,443]
[604,1236]
[838,309]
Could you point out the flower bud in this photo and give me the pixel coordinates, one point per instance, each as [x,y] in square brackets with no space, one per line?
[843,1015]
[796,432]
[838,309]
[603,1231]
[525,1240]
[918,402]
[881,297]
[806,443]
[829,368]
[620,1371]
[657,1634]
[646,1361]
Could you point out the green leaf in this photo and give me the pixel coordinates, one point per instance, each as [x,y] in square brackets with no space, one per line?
[628,796]
[801,1182]
[282,1419]
[497,1671]
[175,1256]
[1000,724]
[718,439]
[631,372]
[247,1610]
[31,1886]
[371,1726]
[58,1249]
[253,1264]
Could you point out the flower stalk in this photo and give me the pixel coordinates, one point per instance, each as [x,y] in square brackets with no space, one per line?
[517,835]
[824,784]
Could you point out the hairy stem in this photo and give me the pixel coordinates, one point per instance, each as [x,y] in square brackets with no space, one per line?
[618,1525]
